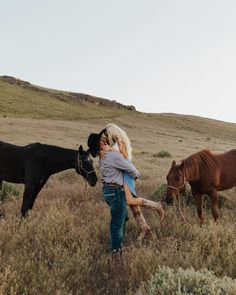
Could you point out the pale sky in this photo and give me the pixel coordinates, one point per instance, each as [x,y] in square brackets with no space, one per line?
[158,55]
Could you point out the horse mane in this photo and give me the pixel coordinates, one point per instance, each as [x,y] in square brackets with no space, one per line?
[193,164]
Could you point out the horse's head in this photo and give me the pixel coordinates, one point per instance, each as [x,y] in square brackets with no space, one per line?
[84,167]
[176,183]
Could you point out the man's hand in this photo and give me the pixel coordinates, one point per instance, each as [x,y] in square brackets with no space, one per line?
[104,148]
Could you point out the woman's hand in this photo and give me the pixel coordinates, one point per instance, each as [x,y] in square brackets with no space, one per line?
[102,154]
[107,148]
[104,149]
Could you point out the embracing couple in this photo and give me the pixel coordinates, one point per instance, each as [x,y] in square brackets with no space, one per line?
[118,175]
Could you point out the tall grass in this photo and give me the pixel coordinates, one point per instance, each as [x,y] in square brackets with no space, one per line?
[61,249]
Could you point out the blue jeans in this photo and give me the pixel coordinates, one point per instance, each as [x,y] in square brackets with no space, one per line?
[115,198]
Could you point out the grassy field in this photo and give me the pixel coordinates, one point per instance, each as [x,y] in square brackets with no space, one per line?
[60,249]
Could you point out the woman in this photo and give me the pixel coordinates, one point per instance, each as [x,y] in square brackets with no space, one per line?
[117,140]
[111,166]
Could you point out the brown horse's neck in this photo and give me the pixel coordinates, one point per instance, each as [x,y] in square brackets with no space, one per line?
[189,174]
[196,164]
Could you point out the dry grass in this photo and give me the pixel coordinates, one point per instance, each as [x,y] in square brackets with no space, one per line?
[61,250]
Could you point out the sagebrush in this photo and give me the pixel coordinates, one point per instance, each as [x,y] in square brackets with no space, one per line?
[181,281]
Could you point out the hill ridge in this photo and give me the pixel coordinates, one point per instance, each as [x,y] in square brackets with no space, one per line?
[66,95]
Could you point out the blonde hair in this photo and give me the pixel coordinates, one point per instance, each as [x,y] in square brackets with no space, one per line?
[116,134]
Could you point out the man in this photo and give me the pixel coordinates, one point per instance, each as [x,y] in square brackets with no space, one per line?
[111,166]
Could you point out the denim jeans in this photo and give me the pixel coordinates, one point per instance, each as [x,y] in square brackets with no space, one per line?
[115,198]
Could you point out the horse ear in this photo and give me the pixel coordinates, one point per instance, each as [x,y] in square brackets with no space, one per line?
[173,164]
[80,149]
[179,170]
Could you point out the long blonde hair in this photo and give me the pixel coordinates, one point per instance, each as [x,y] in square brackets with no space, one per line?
[116,134]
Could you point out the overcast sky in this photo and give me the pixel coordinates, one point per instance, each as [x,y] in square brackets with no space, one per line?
[158,55]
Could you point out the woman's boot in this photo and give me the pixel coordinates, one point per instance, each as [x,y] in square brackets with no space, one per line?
[156,206]
[141,221]
[142,224]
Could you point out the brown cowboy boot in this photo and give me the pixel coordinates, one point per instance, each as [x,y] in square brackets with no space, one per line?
[156,206]
[142,224]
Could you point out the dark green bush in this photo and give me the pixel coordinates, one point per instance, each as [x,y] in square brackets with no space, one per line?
[160,192]
[162,154]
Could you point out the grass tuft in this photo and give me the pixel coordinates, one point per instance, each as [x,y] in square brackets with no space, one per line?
[162,154]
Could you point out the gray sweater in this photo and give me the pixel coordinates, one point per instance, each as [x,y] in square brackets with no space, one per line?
[112,165]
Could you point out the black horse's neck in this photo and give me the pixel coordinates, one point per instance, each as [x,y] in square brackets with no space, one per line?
[59,159]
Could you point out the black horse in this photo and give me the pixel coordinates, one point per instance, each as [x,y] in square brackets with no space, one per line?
[33,164]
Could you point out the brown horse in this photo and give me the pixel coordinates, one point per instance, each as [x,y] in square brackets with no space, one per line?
[207,173]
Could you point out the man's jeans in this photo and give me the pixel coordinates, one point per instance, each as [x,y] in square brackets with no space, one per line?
[115,198]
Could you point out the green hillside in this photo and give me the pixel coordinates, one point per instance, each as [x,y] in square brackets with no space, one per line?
[22,99]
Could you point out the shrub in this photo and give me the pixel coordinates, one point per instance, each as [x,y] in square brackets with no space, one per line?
[144,153]
[8,190]
[160,192]
[162,154]
[187,199]
[188,281]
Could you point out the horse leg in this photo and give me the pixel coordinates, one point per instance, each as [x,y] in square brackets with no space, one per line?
[1,213]
[28,193]
[199,201]
[32,199]
[36,192]
[214,204]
